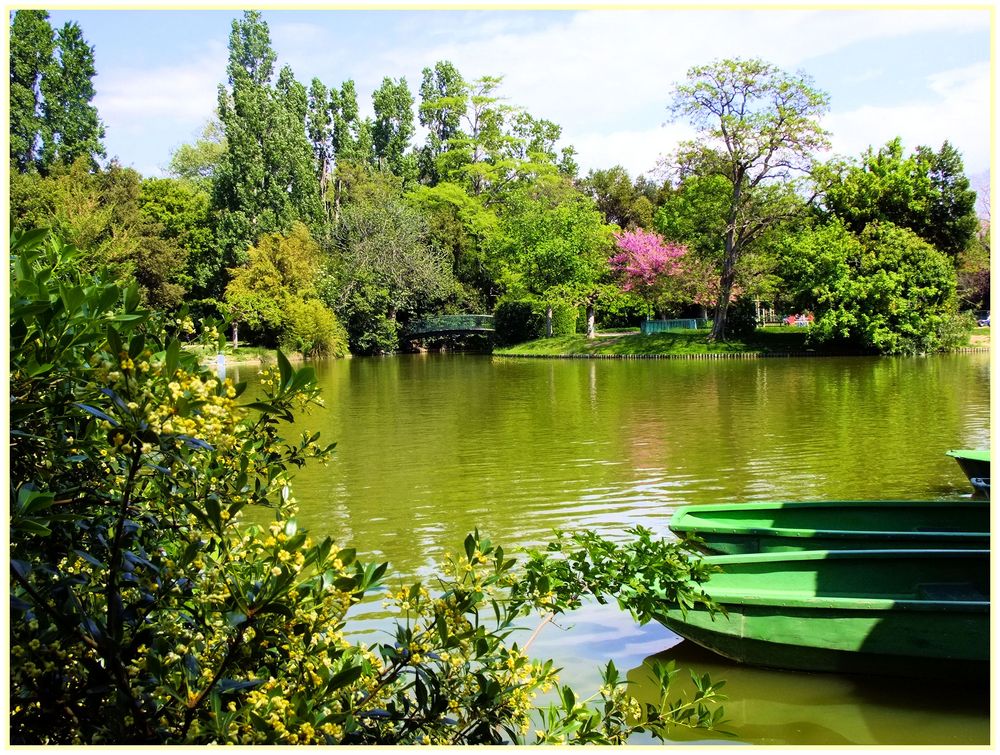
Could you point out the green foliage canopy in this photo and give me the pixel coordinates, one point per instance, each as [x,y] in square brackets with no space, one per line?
[926,192]
[884,291]
[51,87]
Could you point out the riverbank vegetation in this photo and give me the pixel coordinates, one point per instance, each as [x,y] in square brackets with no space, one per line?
[679,342]
[772,340]
[310,227]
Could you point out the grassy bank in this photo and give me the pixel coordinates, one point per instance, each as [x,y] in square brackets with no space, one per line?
[241,355]
[771,340]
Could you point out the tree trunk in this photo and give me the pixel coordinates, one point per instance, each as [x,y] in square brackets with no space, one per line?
[591,329]
[725,289]
[548,321]
[732,252]
[236,334]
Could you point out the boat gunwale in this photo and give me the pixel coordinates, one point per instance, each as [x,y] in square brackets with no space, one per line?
[799,600]
[853,554]
[735,596]
[700,519]
[804,533]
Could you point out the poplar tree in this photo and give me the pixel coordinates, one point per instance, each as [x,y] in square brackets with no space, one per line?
[71,127]
[265,180]
[319,125]
[51,88]
[31,49]
[442,104]
[393,127]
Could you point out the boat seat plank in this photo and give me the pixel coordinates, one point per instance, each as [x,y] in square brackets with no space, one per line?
[950,591]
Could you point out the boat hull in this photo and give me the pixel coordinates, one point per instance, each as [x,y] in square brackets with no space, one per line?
[756,527]
[874,612]
[974,463]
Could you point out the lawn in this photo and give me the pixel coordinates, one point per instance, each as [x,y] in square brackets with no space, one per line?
[778,339]
[683,342]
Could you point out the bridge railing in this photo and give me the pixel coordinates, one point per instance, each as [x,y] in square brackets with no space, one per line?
[449,323]
[659,326]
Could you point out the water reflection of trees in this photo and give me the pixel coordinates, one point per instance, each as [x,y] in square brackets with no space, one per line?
[432,446]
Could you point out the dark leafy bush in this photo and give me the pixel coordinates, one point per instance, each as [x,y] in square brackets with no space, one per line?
[563,318]
[741,319]
[517,321]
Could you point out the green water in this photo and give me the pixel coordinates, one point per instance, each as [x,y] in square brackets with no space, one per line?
[432,446]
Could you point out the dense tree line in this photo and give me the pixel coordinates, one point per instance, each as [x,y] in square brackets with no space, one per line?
[490,207]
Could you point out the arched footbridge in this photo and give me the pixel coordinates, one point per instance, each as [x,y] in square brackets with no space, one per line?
[450,325]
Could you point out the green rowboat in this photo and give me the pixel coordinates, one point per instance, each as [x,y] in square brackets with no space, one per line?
[754,527]
[974,462]
[876,611]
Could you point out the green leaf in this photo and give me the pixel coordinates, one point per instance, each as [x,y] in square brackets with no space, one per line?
[21,568]
[97,413]
[114,341]
[136,345]
[28,240]
[214,511]
[284,368]
[73,297]
[344,677]
[31,526]
[36,370]
[172,356]
[132,297]
[226,686]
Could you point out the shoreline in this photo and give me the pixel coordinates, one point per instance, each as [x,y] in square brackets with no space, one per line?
[721,355]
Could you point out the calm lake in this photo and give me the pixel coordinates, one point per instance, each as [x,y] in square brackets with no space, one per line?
[431,446]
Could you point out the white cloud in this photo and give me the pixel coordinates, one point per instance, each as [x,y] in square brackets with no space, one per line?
[959,112]
[638,151]
[605,76]
[593,71]
[185,93]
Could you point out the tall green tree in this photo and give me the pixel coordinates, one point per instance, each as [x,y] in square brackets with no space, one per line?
[32,46]
[458,225]
[181,208]
[265,180]
[393,127]
[71,127]
[352,135]
[384,270]
[953,222]
[276,294]
[622,202]
[925,191]
[319,125]
[552,250]
[102,213]
[757,126]
[442,104]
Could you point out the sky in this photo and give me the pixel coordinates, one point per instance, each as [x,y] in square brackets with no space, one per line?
[604,75]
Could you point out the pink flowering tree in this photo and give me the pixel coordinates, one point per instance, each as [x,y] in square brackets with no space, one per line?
[651,268]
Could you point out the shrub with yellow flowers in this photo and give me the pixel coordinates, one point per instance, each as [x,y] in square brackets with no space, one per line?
[145,610]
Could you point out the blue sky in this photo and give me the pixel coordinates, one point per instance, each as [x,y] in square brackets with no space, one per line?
[603,75]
